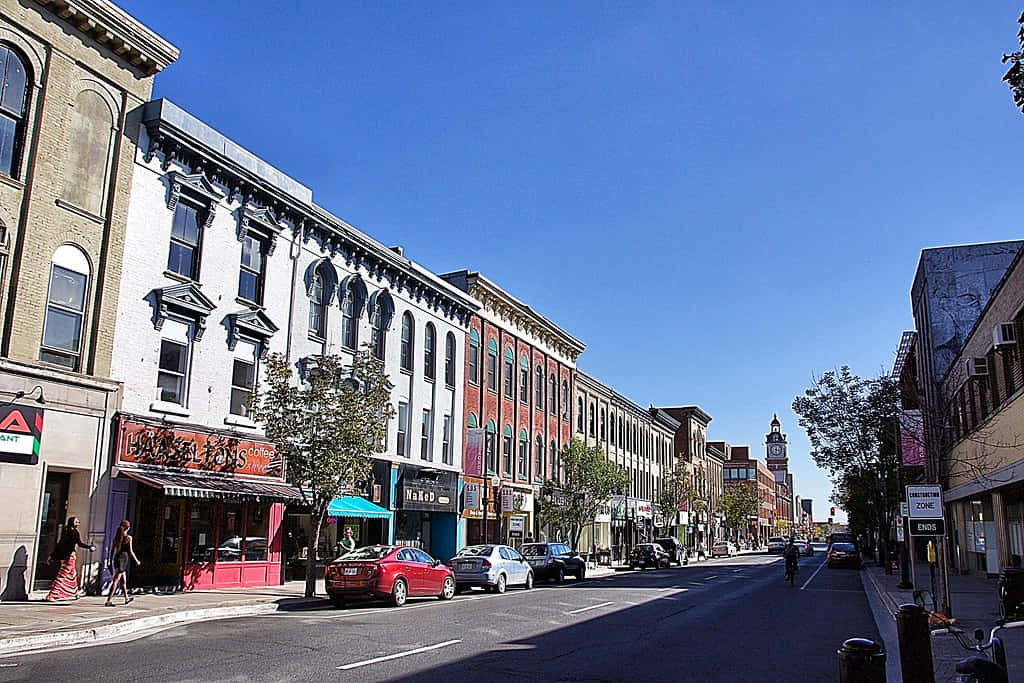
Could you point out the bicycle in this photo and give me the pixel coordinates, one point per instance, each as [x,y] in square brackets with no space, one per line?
[979,668]
[791,571]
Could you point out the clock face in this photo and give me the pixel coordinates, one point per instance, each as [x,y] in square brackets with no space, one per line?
[775,450]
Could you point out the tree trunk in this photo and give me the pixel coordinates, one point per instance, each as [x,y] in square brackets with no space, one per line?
[316,520]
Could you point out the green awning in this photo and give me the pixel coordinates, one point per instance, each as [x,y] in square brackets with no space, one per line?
[354,506]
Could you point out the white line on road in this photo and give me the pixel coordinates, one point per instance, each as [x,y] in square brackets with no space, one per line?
[375,660]
[585,609]
[813,575]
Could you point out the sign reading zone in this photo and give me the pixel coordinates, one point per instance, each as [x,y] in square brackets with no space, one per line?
[925,501]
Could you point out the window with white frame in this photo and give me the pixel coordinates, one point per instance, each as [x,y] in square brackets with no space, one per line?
[565,400]
[425,430]
[492,365]
[446,443]
[429,358]
[403,425]
[524,380]
[317,307]
[186,237]
[252,270]
[474,357]
[243,378]
[552,394]
[407,341]
[449,360]
[524,456]
[173,370]
[64,324]
[538,386]
[508,380]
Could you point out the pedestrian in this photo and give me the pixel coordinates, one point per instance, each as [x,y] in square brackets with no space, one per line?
[120,554]
[65,586]
[347,544]
[701,554]
[528,539]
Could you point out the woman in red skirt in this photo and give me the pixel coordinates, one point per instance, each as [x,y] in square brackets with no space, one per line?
[65,586]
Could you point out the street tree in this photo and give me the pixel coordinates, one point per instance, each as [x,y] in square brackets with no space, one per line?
[676,487]
[588,481]
[738,505]
[325,425]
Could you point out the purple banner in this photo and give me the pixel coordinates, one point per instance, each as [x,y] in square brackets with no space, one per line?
[473,458]
[912,438]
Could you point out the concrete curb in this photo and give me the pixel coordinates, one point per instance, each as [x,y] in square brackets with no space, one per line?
[885,621]
[42,641]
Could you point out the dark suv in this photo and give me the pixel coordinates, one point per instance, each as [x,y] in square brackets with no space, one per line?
[676,550]
[554,561]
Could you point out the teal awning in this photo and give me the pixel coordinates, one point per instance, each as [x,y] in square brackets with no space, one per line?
[354,506]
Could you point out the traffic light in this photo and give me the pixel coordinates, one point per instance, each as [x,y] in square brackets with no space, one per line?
[831,512]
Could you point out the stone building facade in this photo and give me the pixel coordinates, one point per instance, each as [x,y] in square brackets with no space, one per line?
[75,77]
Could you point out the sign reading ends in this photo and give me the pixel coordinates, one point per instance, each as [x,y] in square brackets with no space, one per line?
[925,501]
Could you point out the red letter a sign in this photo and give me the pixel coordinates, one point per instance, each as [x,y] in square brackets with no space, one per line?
[14,422]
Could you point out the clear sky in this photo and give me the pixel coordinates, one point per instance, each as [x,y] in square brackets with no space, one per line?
[720,200]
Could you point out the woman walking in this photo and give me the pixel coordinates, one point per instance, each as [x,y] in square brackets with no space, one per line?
[121,553]
[65,586]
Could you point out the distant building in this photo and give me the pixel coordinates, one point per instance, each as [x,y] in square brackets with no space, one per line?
[705,467]
[740,469]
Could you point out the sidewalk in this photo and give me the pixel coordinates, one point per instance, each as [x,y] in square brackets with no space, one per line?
[37,624]
[974,603]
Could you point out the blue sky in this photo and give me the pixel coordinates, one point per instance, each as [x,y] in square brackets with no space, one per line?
[720,200]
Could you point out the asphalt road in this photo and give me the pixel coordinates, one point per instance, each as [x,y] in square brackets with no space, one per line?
[731,619]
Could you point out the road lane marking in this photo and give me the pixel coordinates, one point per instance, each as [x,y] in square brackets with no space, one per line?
[377,660]
[586,609]
[813,575]
[709,578]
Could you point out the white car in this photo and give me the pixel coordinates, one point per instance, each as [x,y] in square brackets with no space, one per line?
[723,549]
[776,544]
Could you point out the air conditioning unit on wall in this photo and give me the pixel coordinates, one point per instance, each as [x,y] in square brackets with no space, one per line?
[977,367]
[1004,334]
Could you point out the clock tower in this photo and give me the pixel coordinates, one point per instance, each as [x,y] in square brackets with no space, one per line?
[775,448]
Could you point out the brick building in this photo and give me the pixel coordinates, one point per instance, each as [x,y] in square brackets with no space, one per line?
[742,470]
[706,468]
[75,77]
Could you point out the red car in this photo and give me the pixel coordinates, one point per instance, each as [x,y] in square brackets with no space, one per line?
[843,554]
[394,572]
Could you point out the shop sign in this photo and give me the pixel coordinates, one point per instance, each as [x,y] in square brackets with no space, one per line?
[426,489]
[507,500]
[516,523]
[643,509]
[21,428]
[471,496]
[618,505]
[142,444]
[473,458]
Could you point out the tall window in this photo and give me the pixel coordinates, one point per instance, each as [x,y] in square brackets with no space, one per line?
[449,359]
[538,386]
[581,414]
[183,257]
[509,375]
[243,378]
[593,431]
[317,311]
[506,451]
[603,430]
[446,443]
[429,355]
[350,307]
[552,394]
[622,433]
[13,106]
[492,365]
[425,430]
[538,464]
[474,357]
[524,456]
[407,341]
[611,429]
[172,373]
[524,380]
[565,400]
[403,425]
[490,435]
[380,317]
[65,308]
[553,454]
[251,272]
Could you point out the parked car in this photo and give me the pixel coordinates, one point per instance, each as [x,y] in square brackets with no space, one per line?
[776,544]
[723,549]
[231,549]
[675,549]
[649,555]
[804,546]
[843,554]
[554,561]
[492,567]
[387,571]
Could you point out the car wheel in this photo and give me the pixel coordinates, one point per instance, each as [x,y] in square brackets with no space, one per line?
[399,593]
[560,577]
[447,589]
[529,581]
[337,601]
[499,587]
[582,573]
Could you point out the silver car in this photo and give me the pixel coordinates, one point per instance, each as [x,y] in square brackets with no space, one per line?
[492,567]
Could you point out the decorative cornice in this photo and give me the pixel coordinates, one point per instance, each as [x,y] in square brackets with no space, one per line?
[198,188]
[118,31]
[259,220]
[252,323]
[185,299]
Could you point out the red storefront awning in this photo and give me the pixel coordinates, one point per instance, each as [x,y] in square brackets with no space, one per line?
[198,486]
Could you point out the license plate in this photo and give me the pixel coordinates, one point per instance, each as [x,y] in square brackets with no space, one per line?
[350,571]
[465,565]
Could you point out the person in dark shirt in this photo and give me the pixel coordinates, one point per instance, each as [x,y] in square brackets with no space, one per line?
[65,586]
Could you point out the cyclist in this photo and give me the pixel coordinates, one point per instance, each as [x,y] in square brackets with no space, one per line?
[791,553]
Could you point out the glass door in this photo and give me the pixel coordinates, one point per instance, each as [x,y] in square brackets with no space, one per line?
[55,510]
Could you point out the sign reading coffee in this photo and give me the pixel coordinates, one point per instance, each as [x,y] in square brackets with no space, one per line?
[143,444]
[21,428]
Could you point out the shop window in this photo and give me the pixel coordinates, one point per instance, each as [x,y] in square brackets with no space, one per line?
[186,235]
[257,527]
[13,109]
[230,546]
[403,425]
[201,531]
[243,378]
[65,309]
[252,270]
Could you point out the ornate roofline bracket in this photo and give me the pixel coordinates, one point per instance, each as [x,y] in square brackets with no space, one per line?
[195,187]
[253,324]
[185,299]
[261,221]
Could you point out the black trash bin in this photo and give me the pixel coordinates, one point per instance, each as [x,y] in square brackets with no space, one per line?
[1011,593]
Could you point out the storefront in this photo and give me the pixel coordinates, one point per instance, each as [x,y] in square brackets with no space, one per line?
[206,507]
[426,506]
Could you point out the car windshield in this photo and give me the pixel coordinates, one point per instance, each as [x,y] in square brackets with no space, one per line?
[535,549]
[475,550]
[372,552]
[776,539]
[842,546]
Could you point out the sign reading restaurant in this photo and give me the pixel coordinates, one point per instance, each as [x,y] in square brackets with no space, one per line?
[163,446]
[21,428]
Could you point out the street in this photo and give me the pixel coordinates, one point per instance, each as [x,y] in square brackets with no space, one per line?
[725,619]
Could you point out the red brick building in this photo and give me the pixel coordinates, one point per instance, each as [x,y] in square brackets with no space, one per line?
[520,373]
[742,470]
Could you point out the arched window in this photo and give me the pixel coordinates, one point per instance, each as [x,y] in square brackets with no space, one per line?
[317,310]
[13,110]
[622,433]
[565,400]
[538,387]
[474,357]
[591,423]
[553,454]
[407,341]
[449,359]
[581,414]
[552,394]
[489,449]
[603,431]
[429,357]
[351,307]
[381,310]
[524,455]
[471,421]
[65,308]
[506,451]
[538,464]
[611,429]
[508,380]
[492,365]
[524,379]
[88,152]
